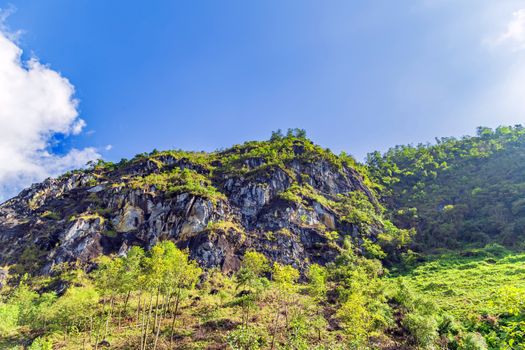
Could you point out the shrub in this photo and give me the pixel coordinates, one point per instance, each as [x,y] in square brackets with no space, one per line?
[9,314]
[474,341]
[41,344]
[356,319]
[246,338]
[422,328]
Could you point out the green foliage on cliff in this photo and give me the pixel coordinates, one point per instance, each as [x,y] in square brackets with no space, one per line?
[291,159]
[203,173]
[178,181]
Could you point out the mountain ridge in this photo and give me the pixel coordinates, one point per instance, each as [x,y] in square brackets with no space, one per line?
[286,197]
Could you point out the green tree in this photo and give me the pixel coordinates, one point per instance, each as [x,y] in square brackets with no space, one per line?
[363,306]
[108,281]
[75,310]
[130,275]
[181,276]
[356,319]
[317,288]
[250,282]
[285,281]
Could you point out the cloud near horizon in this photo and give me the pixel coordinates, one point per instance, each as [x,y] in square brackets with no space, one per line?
[514,35]
[36,103]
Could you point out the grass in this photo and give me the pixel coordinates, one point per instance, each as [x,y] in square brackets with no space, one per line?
[51,215]
[469,285]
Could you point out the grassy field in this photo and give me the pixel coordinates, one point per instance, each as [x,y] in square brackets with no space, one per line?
[483,289]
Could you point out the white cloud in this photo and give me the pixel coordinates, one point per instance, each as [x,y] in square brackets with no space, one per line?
[36,102]
[4,13]
[514,35]
[516,28]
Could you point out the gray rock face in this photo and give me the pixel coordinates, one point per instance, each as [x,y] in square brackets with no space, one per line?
[3,277]
[129,220]
[80,216]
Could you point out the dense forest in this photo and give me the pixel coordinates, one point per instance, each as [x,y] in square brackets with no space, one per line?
[419,248]
[457,191]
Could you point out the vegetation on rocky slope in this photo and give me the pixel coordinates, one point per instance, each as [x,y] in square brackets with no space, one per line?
[286,197]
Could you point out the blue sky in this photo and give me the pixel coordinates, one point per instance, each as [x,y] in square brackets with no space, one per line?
[201,75]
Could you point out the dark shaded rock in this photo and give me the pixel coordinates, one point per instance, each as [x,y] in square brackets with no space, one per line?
[104,344]
[243,293]
[221,324]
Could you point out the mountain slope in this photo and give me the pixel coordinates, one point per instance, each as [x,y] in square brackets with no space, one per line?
[288,198]
[468,191]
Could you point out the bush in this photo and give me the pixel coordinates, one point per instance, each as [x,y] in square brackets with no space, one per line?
[423,328]
[355,319]
[41,344]
[473,341]
[246,338]
[9,314]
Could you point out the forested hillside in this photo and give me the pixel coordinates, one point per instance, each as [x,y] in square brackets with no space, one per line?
[457,192]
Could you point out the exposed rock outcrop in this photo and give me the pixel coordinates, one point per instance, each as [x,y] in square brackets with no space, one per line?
[217,205]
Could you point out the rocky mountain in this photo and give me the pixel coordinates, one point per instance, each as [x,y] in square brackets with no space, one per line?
[287,198]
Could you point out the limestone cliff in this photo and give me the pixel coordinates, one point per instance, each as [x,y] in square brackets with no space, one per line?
[288,198]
